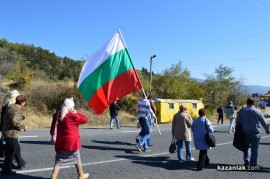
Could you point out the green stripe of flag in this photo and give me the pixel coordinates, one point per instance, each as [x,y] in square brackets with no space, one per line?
[114,66]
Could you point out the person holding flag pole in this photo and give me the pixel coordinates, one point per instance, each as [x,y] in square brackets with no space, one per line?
[152,120]
[108,75]
[144,114]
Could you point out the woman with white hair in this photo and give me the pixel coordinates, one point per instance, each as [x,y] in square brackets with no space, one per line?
[67,144]
[9,99]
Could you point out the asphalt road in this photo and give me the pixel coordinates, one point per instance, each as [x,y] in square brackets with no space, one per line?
[111,154]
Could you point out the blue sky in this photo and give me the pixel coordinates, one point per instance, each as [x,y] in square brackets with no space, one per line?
[202,34]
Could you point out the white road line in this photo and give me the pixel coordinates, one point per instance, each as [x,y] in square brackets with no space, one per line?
[129,131]
[138,130]
[110,161]
[133,131]
[28,136]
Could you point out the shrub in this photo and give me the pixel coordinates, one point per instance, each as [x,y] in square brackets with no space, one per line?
[46,96]
[129,104]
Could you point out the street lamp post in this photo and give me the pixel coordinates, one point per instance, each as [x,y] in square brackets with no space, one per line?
[151,59]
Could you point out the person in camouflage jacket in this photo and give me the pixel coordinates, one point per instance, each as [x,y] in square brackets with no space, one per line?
[12,126]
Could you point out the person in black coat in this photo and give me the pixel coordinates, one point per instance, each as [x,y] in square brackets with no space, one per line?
[114,114]
[220,114]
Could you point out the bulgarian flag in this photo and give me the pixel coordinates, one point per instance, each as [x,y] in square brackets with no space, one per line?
[108,75]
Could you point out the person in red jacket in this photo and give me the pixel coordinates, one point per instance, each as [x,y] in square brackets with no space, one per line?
[65,125]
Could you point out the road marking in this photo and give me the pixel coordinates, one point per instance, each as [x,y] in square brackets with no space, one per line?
[133,131]
[110,161]
[138,130]
[30,136]
[129,131]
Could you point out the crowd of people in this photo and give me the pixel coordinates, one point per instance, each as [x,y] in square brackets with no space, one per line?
[66,138]
[249,118]
[64,131]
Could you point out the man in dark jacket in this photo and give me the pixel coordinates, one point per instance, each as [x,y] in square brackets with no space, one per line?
[220,114]
[250,118]
[114,114]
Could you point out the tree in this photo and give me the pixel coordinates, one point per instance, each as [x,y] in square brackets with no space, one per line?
[172,83]
[219,86]
[145,72]
[195,90]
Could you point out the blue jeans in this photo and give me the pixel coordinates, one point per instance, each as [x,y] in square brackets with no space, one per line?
[251,154]
[180,150]
[117,122]
[141,134]
[145,133]
[232,125]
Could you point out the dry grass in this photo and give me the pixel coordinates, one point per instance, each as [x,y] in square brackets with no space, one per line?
[34,120]
[4,84]
[43,118]
[104,119]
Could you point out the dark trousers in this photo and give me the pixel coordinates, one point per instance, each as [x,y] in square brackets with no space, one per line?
[2,153]
[220,118]
[203,159]
[12,149]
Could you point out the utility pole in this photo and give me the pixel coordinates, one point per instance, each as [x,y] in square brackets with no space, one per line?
[151,59]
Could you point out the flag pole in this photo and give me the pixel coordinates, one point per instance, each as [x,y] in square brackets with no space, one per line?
[119,31]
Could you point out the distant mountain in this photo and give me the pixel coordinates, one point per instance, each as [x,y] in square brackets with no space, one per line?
[257,89]
[250,88]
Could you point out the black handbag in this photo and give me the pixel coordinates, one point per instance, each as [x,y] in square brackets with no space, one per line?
[210,138]
[172,147]
[239,139]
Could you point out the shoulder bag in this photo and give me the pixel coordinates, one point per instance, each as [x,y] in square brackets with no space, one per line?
[239,139]
[210,138]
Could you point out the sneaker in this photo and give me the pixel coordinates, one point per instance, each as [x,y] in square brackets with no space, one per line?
[138,148]
[147,150]
[86,175]
[190,160]
[137,140]
[149,144]
[180,161]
